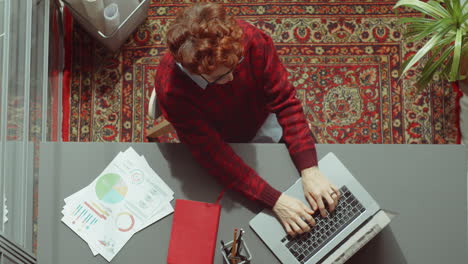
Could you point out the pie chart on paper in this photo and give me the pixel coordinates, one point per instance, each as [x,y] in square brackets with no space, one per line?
[110,188]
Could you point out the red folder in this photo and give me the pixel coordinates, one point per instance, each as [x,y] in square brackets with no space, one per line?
[194,232]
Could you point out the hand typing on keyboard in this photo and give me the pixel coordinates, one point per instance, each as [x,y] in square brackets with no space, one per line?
[319,191]
[304,246]
[294,215]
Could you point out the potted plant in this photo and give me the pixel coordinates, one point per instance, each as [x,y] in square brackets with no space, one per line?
[444,24]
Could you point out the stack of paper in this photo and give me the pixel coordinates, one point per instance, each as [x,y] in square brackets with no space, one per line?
[125,198]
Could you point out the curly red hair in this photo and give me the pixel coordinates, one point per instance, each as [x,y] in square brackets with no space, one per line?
[203,37]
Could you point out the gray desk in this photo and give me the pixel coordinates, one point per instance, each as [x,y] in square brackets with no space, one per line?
[425,184]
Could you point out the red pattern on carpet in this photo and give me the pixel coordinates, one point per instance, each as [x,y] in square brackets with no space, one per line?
[66,81]
[343,58]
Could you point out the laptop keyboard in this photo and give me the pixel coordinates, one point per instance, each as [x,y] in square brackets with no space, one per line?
[304,246]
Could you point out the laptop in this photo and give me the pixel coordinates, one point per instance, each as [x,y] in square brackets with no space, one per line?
[356,219]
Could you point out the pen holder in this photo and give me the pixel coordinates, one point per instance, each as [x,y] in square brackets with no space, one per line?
[245,252]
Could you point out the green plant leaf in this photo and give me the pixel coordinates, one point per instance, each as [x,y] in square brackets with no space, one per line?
[422,7]
[448,6]
[412,32]
[447,33]
[441,25]
[432,65]
[444,44]
[425,49]
[457,12]
[465,4]
[454,72]
[439,7]
[457,7]
[416,20]
[417,27]
[405,65]
[464,18]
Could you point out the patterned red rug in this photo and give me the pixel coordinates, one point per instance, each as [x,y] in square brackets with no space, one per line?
[343,57]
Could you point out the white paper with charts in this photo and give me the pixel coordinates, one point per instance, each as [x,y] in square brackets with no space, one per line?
[125,198]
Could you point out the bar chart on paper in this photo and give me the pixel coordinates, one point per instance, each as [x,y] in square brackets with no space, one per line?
[84,217]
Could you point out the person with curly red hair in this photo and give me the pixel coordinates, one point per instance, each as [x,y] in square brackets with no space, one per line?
[222,81]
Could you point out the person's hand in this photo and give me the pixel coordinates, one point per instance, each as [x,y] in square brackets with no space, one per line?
[293,214]
[318,189]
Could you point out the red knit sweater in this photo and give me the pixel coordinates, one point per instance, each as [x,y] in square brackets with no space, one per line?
[205,119]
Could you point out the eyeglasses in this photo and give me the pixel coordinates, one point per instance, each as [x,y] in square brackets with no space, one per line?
[222,76]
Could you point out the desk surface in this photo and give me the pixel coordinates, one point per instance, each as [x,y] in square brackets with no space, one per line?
[425,184]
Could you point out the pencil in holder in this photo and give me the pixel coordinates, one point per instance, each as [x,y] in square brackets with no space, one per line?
[243,256]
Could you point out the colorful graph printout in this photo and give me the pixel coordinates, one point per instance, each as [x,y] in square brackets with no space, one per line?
[137,176]
[84,217]
[111,188]
[125,221]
